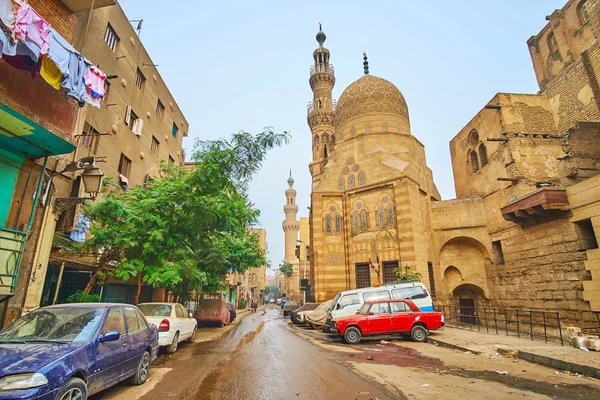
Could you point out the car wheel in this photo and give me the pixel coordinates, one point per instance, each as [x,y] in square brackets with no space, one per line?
[193,337]
[142,370]
[352,335]
[172,348]
[73,389]
[418,333]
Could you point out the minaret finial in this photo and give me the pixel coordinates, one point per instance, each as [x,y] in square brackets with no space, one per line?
[290,180]
[366,64]
[290,172]
[321,36]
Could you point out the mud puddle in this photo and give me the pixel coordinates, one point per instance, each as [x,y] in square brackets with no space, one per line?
[400,356]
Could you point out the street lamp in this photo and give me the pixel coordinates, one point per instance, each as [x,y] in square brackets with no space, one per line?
[92,181]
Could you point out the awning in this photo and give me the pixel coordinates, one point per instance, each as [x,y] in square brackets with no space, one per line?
[18,134]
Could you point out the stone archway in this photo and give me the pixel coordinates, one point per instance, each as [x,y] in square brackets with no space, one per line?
[469,299]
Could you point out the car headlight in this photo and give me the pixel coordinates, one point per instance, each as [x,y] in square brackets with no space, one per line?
[23,381]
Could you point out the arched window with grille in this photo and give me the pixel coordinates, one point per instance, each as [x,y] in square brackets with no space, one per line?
[582,11]
[355,221]
[338,223]
[474,161]
[341,184]
[364,221]
[381,217]
[328,223]
[361,179]
[351,182]
[391,215]
[483,155]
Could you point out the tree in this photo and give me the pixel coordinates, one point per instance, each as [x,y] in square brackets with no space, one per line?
[184,231]
[287,270]
[406,274]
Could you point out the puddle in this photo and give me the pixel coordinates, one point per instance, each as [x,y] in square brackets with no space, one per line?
[400,356]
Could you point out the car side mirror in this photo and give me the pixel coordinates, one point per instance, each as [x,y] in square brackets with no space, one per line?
[109,336]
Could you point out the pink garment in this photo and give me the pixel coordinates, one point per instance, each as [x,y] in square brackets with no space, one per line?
[94,82]
[29,25]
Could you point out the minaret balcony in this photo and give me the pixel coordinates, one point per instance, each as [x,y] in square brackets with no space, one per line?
[324,106]
[322,68]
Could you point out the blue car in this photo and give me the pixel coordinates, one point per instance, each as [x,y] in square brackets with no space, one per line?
[71,351]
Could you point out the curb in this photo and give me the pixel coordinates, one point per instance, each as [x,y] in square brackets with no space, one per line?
[558,364]
[447,345]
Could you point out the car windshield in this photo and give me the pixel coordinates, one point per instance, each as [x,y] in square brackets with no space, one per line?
[155,310]
[364,308]
[64,324]
[334,302]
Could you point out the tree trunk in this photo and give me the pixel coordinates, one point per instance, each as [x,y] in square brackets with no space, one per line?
[90,285]
[136,299]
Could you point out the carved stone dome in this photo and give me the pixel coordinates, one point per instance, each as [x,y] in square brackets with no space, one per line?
[370,95]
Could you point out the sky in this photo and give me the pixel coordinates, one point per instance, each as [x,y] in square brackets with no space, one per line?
[244,65]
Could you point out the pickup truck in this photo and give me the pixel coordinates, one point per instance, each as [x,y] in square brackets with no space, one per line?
[387,317]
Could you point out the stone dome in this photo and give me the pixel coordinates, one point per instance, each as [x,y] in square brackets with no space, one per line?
[370,95]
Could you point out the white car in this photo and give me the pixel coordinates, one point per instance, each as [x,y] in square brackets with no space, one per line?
[173,321]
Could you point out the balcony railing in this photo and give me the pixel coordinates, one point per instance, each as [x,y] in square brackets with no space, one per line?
[311,106]
[322,68]
[11,249]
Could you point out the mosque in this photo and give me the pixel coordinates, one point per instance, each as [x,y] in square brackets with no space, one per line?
[523,231]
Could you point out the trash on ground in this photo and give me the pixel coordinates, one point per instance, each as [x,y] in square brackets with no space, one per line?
[502,372]
[361,393]
[369,358]
[425,385]
[384,342]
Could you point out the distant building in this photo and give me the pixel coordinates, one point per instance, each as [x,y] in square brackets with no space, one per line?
[523,232]
[252,283]
[291,226]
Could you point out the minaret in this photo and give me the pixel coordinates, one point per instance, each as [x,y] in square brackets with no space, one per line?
[290,225]
[322,109]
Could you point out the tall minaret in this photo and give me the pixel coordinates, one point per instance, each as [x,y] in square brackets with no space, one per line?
[322,109]
[290,225]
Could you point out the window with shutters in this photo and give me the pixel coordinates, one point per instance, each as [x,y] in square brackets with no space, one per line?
[154,146]
[388,271]
[89,138]
[363,275]
[140,79]
[160,109]
[174,130]
[111,38]
[124,166]
[135,123]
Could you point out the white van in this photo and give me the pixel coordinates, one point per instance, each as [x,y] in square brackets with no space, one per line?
[347,303]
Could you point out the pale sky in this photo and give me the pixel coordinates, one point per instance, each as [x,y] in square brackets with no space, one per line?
[244,65]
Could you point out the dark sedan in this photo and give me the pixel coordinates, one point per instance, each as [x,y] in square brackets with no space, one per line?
[71,351]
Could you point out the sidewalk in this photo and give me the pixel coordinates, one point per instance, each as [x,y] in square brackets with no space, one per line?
[550,354]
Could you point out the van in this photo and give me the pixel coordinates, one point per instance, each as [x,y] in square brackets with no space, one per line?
[348,302]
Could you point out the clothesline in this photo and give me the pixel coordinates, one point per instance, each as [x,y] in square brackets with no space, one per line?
[28,42]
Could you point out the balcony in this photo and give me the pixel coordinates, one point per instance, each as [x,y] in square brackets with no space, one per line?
[11,248]
[322,68]
[311,106]
[85,5]
[540,204]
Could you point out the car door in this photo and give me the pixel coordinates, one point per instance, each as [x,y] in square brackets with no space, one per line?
[402,317]
[186,328]
[110,356]
[379,319]
[136,340]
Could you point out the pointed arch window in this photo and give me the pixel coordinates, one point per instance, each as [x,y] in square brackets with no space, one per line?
[351,183]
[341,184]
[361,179]
[483,155]
[319,104]
[582,12]
[391,216]
[364,221]
[474,162]
[355,221]
[552,44]
[381,217]
[338,223]
[328,223]
[324,151]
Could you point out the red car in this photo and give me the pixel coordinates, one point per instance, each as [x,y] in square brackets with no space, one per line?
[386,317]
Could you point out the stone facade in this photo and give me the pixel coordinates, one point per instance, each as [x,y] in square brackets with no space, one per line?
[291,227]
[523,231]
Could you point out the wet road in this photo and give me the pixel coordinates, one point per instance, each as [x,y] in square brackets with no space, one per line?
[260,358]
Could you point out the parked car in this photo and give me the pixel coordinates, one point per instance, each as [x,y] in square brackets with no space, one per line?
[386,317]
[76,350]
[297,315]
[317,317]
[289,307]
[347,303]
[232,312]
[175,324]
[212,312]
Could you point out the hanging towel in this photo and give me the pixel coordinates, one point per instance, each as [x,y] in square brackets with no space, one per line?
[50,72]
[82,224]
[30,26]
[60,52]
[94,81]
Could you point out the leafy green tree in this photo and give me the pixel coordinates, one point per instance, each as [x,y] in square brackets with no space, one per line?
[286,268]
[185,230]
[405,274]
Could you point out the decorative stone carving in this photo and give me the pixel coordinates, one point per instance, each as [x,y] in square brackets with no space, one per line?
[370,94]
[114,129]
